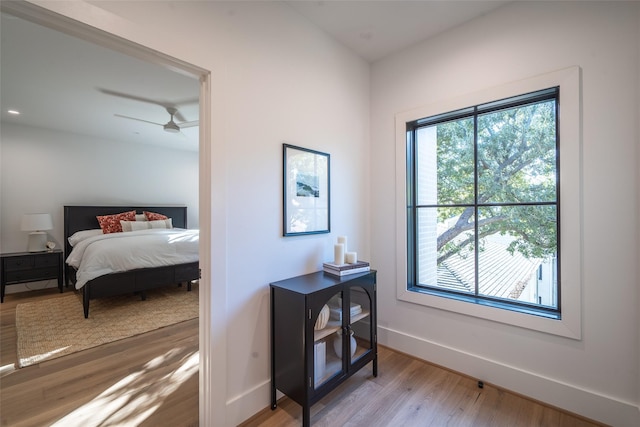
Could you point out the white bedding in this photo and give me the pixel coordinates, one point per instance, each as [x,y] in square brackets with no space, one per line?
[116,252]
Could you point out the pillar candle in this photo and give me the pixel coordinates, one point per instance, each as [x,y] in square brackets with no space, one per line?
[338,254]
[350,257]
[343,240]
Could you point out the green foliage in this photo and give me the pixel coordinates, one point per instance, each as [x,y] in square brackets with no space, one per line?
[516,159]
[455,162]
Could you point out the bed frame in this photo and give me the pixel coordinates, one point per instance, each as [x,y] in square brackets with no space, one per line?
[78,218]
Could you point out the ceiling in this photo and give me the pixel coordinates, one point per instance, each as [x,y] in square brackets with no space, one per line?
[375,29]
[62,83]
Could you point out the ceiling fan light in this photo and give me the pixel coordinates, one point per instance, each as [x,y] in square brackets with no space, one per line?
[171,127]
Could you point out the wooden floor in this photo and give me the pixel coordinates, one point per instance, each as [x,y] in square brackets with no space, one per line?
[147,380]
[410,392]
[150,380]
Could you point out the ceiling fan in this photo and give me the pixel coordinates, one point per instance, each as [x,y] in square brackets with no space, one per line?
[171,126]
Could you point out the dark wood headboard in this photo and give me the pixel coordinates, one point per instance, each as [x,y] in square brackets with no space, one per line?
[78,218]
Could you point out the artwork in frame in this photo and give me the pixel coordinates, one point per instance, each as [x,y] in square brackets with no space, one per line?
[306,191]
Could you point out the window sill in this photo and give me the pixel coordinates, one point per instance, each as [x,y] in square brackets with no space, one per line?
[488,303]
[494,312]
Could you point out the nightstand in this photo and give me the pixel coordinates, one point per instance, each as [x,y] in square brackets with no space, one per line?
[23,267]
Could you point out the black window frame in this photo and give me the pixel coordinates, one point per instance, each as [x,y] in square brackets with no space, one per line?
[544,95]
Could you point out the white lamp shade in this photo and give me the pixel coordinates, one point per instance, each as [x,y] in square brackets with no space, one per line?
[36,222]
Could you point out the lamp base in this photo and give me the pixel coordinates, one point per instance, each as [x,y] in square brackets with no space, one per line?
[37,241]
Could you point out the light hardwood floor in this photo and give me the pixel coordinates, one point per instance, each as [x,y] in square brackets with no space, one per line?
[147,380]
[412,393]
[143,381]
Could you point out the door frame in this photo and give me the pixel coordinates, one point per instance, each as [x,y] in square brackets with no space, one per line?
[212,403]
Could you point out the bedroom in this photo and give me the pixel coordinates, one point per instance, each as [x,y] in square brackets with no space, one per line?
[247,59]
[86,155]
[91,112]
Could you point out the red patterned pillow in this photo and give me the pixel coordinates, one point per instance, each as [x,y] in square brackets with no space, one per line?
[152,216]
[111,223]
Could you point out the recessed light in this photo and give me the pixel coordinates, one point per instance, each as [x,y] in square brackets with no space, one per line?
[14,112]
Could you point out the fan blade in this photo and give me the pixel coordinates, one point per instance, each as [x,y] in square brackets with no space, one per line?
[135,98]
[139,120]
[178,116]
[165,104]
[188,124]
[174,113]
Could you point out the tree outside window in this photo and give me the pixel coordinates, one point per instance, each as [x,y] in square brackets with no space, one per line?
[483,209]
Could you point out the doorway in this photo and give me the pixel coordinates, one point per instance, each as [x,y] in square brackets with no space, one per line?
[37,15]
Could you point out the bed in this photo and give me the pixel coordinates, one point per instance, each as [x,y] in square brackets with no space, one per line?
[135,280]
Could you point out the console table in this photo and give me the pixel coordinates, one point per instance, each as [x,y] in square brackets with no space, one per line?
[323,330]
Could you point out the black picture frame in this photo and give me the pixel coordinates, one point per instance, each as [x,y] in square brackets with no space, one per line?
[306,191]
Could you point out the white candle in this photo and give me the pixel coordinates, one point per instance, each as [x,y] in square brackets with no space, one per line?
[343,240]
[350,257]
[338,254]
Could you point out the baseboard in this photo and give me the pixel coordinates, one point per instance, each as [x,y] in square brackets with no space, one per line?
[571,398]
[243,406]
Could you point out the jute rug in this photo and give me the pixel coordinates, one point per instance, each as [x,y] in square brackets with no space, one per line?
[56,327]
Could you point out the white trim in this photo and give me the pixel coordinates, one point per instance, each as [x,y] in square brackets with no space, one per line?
[251,401]
[588,403]
[570,203]
[46,16]
[206,371]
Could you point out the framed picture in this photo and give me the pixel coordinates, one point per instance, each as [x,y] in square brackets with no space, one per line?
[306,191]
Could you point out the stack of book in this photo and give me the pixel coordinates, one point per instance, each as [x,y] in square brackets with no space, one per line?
[345,269]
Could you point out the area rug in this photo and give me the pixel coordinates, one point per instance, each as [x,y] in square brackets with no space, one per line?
[56,327]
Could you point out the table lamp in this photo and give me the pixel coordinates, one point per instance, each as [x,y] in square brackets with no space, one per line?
[37,224]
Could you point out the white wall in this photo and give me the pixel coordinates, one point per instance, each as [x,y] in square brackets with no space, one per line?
[596,376]
[274,79]
[43,170]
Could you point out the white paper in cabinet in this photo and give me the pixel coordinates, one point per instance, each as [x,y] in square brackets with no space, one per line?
[319,360]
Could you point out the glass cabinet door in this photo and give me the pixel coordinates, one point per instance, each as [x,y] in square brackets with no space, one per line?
[360,328]
[327,345]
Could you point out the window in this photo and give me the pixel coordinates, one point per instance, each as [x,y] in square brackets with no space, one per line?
[483,208]
[547,191]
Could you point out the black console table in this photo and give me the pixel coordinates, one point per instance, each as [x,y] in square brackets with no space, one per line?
[323,330]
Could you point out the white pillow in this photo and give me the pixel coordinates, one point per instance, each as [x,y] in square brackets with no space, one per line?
[141,217]
[161,223]
[81,235]
[144,225]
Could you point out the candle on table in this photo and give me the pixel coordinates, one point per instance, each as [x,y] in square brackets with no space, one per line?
[350,257]
[343,240]
[338,254]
